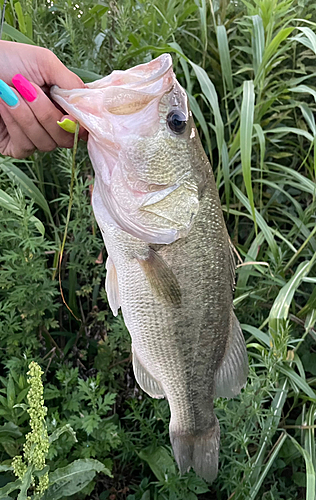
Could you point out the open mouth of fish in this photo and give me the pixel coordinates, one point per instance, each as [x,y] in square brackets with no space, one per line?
[122,93]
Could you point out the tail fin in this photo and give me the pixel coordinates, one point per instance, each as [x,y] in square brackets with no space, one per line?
[198,450]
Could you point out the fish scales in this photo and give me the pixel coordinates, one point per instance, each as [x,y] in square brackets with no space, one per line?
[170,258]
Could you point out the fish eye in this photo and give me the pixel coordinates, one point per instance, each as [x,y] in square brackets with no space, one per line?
[177,121]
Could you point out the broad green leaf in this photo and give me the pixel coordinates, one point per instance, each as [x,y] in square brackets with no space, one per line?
[304,89]
[27,185]
[71,479]
[62,430]
[21,20]
[258,334]
[9,203]
[223,50]
[196,110]
[258,41]
[310,35]
[9,429]
[291,130]
[309,117]
[271,49]
[280,309]
[6,468]
[298,381]
[246,127]
[209,91]
[9,487]
[159,460]
[16,35]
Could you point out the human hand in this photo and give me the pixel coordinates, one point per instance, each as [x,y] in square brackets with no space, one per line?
[28,118]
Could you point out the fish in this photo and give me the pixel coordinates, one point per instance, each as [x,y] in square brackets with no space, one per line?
[170,265]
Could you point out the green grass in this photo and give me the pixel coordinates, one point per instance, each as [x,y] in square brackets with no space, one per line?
[249,70]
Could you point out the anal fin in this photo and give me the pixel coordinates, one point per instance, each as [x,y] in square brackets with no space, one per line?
[149,385]
[111,286]
[231,376]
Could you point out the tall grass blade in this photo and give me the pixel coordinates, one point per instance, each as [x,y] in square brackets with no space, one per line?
[258,42]
[224,56]
[246,128]
[210,93]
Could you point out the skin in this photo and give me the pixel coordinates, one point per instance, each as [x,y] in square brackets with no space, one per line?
[33,125]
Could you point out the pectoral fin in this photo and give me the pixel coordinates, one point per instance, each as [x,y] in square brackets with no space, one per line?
[111,286]
[231,376]
[145,380]
[161,278]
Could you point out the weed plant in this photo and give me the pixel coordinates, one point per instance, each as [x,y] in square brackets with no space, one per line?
[248,68]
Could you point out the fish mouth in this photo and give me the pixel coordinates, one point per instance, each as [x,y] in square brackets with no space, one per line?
[122,93]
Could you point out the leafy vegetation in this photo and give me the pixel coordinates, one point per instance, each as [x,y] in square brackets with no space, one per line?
[248,68]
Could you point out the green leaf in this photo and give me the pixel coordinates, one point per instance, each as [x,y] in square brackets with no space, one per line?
[9,487]
[6,468]
[73,478]
[210,93]
[271,49]
[16,35]
[310,35]
[62,430]
[26,184]
[26,483]
[224,56]
[246,128]
[309,117]
[298,381]
[281,305]
[304,89]
[21,20]
[9,429]
[159,460]
[291,130]
[9,203]
[258,334]
[258,42]
[310,472]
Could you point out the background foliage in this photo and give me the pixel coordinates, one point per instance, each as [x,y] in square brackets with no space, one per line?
[248,68]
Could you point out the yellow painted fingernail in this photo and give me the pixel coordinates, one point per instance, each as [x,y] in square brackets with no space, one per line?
[68,125]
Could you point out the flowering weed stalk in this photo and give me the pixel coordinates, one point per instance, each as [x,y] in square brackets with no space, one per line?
[37,442]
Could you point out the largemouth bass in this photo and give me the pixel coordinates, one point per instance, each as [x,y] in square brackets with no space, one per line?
[170,263]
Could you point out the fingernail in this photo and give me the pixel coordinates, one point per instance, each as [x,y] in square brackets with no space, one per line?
[7,94]
[24,87]
[68,125]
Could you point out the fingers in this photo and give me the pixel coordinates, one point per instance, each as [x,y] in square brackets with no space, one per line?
[21,146]
[47,116]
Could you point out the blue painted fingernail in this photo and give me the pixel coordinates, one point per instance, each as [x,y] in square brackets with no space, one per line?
[7,95]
